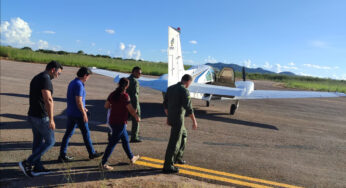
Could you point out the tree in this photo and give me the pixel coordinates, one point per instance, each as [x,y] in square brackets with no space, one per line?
[80,52]
[27,48]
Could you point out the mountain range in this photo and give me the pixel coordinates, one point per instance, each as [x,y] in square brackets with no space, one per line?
[238,68]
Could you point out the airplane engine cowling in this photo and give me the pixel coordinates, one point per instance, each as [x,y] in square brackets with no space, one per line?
[247,86]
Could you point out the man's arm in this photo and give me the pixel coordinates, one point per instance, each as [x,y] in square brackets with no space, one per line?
[79,102]
[133,112]
[193,118]
[187,104]
[133,93]
[49,105]
[107,105]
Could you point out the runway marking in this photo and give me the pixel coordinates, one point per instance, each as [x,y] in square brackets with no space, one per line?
[223,173]
[207,176]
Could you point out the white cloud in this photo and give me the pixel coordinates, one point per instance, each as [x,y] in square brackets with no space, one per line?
[48,32]
[56,48]
[122,46]
[318,44]
[130,51]
[138,55]
[194,52]
[291,64]
[110,31]
[77,41]
[193,42]
[17,33]
[93,44]
[41,44]
[210,60]
[317,66]
[247,63]
[278,68]
[267,65]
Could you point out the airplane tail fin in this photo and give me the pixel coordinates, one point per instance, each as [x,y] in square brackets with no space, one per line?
[175,58]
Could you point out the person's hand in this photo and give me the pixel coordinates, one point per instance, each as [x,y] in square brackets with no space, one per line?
[138,119]
[85,118]
[194,126]
[166,112]
[52,124]
[86,110]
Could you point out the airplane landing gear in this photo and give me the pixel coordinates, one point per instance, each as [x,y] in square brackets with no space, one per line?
[234,107]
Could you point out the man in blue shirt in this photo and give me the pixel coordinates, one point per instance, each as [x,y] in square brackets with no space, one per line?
[77,115]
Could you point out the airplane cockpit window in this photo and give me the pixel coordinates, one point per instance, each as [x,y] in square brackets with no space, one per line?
[209,76]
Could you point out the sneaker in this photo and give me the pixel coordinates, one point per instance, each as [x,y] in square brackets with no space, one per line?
[105,167]
[134,159]
[180,161]
[135,140]
[171,170]
[65,158]
[96,155]
[26,167]
[40,171]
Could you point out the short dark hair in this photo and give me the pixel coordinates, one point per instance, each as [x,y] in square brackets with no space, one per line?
[186,78]
[83,71]
[53,64]
[135,69]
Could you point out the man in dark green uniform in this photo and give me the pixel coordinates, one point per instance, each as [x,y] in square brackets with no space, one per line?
[177,103]
[133,91]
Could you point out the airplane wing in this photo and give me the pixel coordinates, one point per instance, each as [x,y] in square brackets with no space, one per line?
[272,94]
[157,84]
[238,93]
[243,93]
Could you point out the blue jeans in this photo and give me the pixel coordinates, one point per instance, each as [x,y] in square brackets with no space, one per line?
[70,127]
[41,131]
[118,132]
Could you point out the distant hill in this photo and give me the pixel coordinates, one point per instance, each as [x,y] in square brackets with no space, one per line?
[238,68]
[287,73]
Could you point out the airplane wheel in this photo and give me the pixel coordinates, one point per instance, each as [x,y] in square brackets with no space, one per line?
[208,103]
[233,109]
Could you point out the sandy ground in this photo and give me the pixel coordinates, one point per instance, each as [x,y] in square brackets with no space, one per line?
[295,141]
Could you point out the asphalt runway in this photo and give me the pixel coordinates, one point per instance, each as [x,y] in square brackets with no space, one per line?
[299,142]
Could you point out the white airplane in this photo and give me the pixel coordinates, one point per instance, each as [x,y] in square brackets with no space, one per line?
[206,85]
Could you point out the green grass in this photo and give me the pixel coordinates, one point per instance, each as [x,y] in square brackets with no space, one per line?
[78,60]
[301,82]
[152,68]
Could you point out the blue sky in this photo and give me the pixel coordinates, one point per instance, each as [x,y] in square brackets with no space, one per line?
[306,37]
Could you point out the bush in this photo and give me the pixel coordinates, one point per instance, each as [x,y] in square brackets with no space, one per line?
[27,48]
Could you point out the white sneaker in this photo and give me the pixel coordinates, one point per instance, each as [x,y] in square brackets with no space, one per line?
[134,159]
[106,167]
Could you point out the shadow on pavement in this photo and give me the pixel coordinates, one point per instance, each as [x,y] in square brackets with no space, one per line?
[80,174]
[148,110]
